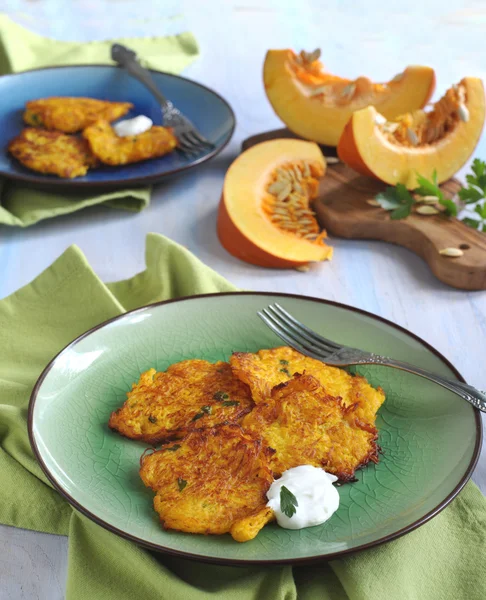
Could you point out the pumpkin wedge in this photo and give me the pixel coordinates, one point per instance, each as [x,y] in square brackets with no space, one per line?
[265,216]
[441,139]
[317,105]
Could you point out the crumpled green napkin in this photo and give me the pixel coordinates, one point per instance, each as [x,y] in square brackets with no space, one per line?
[21,49]
[442,560]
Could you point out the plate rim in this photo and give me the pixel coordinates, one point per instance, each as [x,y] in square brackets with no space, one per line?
[245,562]
[46,181]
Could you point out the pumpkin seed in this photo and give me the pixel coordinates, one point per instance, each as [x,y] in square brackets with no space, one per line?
[280,211]
[398,77]
[276,187]
[412,137]
[428,199]
[427,210]
[285,192]
[332,160]
[282,175]
[298,188]
[348,90]
[463,112]
[451,252]
[391,127]
[373,202]
[379,119]
[298,174]
[306,170]
[303,268]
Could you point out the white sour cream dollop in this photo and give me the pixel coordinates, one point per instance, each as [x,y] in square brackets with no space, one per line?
[133,126]
[317,498]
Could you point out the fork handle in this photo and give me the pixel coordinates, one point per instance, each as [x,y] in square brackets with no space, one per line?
[469,393]
[126,58]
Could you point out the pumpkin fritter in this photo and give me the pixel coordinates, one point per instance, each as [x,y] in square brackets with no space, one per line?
[212,481]
[72,114]
[307,426]
[114,150]
[265,369]
[191,394]
[52,152]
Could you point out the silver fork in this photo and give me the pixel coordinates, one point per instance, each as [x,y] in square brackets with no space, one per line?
[191,141]
[301,338]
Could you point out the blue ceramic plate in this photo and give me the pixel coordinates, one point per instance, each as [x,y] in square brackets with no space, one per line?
[207,110]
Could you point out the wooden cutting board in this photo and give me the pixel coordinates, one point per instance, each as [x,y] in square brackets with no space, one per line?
[342,210]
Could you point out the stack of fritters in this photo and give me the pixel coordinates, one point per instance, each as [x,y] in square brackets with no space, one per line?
[236,426]
[50,145]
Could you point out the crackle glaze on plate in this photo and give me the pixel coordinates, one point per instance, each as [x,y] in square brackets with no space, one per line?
[210,113]
[429,436]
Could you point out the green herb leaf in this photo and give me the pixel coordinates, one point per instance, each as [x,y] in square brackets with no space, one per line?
[173,448]
[205,410]
[401,212]
[397,199]
[388,199]
[478,167]
[450,206]
[470,194]
[152,419]
[286,371]
[471,222]
[284,362]
[475,193]
[181,483]
[231,403]
[220,396]
[288,502]
[429,188]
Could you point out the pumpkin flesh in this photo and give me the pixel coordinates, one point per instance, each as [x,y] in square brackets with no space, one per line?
[440,140]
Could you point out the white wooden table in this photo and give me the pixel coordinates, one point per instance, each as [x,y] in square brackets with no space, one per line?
[356,38]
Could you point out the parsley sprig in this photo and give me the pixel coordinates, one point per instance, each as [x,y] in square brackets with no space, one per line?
[399,200]
[396,199]
[473,195]
[288,502]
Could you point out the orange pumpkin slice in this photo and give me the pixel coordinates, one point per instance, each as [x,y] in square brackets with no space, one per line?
[440,140]
[317,105]
[265,215]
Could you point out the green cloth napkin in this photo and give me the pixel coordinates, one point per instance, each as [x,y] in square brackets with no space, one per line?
[21,49]
[442,560]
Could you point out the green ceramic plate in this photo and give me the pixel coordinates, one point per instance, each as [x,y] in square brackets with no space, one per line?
[430,437]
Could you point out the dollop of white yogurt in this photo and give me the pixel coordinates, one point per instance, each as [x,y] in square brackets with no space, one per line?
[133,126]
[312,487]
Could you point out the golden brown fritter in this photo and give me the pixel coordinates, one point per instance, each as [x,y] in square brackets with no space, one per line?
[52,152]
[114,150]
[212,481]
[72,114]
[190,394]
[307,426]
[267,368]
